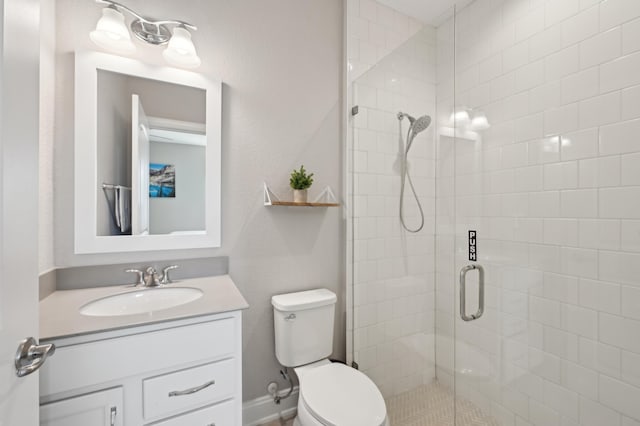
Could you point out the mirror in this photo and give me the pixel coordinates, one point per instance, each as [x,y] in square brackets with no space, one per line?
[147,160]
[151,150]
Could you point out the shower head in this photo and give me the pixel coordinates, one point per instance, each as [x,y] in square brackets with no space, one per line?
[417,125]
[420,124]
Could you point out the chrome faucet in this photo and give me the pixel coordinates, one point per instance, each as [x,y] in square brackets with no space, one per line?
[149,277]
[166,279]
[139,277]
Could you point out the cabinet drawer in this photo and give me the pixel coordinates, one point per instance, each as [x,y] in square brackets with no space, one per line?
[103,361]
[184,390]
[223,414]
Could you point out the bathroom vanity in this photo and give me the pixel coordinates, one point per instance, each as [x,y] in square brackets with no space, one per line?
[176,366]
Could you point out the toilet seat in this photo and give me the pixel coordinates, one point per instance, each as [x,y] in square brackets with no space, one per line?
[337,395]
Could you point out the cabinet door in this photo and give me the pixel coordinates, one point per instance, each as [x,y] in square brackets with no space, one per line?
[102,408]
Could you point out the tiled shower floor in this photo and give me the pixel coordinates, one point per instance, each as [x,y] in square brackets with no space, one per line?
[432,405]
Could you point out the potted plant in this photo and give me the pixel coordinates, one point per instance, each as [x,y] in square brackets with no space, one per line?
[300,181]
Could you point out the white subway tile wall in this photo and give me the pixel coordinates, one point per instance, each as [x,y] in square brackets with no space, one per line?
[553,190]
[374,31]
[392,64]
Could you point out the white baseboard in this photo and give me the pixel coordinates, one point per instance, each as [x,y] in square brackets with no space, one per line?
[263,410]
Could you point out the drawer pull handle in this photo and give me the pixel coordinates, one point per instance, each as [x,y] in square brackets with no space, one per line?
[192,390]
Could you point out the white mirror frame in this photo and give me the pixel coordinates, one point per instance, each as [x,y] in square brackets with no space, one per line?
[87,188]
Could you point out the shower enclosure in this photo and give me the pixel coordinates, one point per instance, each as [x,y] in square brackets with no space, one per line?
[516,302]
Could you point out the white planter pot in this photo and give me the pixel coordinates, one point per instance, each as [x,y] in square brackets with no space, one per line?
[299,195]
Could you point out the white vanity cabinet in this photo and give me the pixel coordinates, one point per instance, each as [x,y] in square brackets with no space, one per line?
[182,372]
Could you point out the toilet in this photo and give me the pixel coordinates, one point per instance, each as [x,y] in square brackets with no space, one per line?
[331,394]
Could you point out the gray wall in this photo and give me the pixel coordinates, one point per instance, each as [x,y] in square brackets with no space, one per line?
[159,98]
[185,212]
[114,144]
[167,100]
[281,63]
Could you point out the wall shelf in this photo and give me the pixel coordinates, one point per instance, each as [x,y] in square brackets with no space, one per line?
[325,199]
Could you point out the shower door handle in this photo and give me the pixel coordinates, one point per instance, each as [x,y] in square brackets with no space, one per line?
[463,292]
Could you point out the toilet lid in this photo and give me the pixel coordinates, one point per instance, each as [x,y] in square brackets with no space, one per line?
[338,395]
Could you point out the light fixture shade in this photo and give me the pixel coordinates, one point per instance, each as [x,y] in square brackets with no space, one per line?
[111,32]
[460,117]
[479,121]
[181,52]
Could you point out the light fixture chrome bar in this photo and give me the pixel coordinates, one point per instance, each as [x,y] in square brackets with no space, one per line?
[147,20]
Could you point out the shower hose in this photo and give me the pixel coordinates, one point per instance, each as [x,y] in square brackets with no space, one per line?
[405,176]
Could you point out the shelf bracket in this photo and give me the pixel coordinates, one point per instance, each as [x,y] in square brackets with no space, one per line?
[269,196]
[326,196]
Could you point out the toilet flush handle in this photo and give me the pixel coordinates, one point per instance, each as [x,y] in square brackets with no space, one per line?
[290,317]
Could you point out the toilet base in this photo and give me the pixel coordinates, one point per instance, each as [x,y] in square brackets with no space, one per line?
[304,418]
[296,422]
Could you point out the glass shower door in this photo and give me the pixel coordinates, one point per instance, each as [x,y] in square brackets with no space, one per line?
[491,275]
[542,291]
[393,116]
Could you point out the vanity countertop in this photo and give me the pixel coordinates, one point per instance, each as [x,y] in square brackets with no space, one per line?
[60,311]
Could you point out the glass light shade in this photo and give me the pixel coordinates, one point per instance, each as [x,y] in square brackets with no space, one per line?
[181,52]
[111,32]
[460,117]
[479,121]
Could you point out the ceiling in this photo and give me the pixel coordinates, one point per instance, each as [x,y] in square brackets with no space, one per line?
[432,12]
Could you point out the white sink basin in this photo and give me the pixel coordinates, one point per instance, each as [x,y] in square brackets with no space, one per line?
[140,301]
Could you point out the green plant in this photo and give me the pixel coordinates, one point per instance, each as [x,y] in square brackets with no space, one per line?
[300,179]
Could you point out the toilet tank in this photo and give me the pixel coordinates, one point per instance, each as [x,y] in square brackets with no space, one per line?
[303,324]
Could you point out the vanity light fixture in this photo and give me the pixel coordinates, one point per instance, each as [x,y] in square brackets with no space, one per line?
[181,51]
[112,34]
[460,117]
[479,120]
[469,119]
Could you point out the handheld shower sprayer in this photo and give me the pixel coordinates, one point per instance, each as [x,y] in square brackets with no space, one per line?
[416,126]
[420,124]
